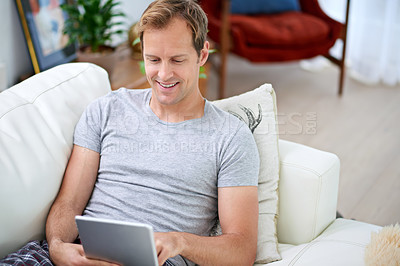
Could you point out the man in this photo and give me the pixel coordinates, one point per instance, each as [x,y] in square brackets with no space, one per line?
[163,156]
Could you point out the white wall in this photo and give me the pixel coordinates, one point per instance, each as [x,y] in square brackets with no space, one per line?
[13,51]
[134,9]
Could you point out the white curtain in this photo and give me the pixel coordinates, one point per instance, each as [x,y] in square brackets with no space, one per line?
[373,44]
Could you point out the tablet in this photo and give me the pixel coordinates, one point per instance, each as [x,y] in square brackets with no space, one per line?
[115,241]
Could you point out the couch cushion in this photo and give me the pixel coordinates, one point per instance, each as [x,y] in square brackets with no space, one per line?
[37,120]
[285,30]
[257,108]
[342,243]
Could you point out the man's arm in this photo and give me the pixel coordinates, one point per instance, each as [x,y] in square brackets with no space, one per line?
[238,214]
[77,186]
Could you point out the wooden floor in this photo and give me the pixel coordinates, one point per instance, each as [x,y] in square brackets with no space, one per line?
[362,127]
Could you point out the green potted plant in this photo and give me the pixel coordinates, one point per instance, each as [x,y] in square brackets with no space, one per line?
[93,24]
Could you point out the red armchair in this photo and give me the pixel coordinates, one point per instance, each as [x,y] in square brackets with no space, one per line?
[287,36]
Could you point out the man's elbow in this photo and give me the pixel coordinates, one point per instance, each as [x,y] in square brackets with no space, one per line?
[246,259]
[249,254]
[251,258]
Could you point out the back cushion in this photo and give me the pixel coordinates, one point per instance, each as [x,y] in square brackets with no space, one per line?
[263,6]
[257,108]
[37,120]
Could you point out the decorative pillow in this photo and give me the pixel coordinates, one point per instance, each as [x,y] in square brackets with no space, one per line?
[263,6]
[257,109]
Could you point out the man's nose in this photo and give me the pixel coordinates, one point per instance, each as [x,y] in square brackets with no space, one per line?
[165,71]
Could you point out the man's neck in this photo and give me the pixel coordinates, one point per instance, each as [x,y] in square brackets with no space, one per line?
[179,112]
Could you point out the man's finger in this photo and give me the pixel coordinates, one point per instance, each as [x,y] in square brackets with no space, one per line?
[162,257]
[80,250]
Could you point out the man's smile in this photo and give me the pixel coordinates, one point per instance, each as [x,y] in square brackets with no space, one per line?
[167,85]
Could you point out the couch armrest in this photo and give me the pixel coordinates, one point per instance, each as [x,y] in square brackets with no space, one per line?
[308,190]
[37,121]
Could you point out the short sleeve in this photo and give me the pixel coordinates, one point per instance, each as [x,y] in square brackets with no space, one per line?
[240,161]
[88,129]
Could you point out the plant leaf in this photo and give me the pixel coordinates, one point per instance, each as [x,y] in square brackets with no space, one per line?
[202,76]
[91,22]
[136,41]
[142,68]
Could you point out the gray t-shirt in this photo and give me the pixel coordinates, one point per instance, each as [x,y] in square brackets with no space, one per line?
[159,173]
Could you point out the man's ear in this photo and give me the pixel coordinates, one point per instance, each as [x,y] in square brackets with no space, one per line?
[204,53]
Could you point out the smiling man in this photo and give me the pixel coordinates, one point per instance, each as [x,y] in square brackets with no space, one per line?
[173,36]
[172,69]
[163,156]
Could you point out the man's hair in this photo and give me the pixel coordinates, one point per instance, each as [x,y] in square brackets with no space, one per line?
[160,12]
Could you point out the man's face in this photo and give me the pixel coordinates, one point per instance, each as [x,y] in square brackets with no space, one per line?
[172,64]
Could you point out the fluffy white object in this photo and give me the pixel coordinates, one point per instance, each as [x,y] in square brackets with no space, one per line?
[384,248]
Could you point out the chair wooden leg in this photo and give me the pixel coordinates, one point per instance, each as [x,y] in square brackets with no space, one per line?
[222,74]
[343,60]
[225,43]
[341,78]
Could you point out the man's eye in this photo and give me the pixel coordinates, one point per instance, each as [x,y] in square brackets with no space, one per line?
[178,61]
[152,60]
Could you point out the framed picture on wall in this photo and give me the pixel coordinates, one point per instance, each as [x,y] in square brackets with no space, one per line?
[42,22]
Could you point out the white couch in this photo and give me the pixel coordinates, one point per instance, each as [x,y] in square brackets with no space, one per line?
[37,118]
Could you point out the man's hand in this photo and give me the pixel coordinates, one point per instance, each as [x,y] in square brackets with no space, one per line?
[72,254]
[168,245]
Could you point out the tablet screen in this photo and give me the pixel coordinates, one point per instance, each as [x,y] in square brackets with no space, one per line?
[115,241]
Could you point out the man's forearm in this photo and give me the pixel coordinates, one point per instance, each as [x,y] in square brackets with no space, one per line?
[227,249]
[60,224]
[78,182]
